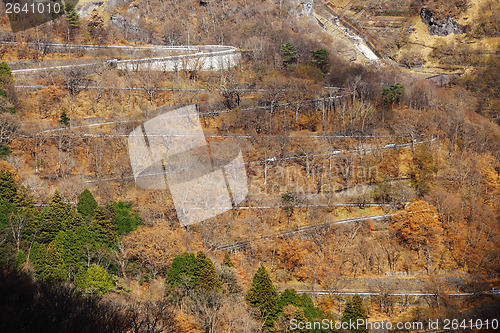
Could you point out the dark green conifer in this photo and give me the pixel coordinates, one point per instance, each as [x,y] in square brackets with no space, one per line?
[104,228]
[86,237]
[23,198]
[72,16]
[8,188]
[124,217]
[393,93]
[289,54]
[202,262]
[289,296]
[6,89]
[37,253]
[5,74]
[4,149]
[65,119]
[189,271]
[6,211]
[56,217]
[86,204]
[182,272]
[20,259]
[320,58]
[207,278]
[81,278]
[51,266]
[69,244]
[353,311]
[301,318]
[263,295]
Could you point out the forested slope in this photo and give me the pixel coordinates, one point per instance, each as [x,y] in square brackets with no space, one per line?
[324,140]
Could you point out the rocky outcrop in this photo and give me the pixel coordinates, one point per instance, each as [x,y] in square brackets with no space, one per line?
[301,7]
[308,7]
[87,8]
[440,27]
[124,24]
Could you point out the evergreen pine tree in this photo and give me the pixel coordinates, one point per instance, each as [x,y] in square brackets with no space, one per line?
[320,58]
[207,278]
[6,211]
[37,253]
[310,311]
[32,225]
[101,214]
[227,260]
[64,120]
[300,317]
[182,271]
[86,204]
[69,244]
[56,217]
[86,239]
[26,210]
[5,69]
[81,278]
[8,188]
[4,149]
[353,311]
[98,278]
[190,271]
[72,16]
[6,85]
[51,266]
[393,93]
[104,228]
[289,296]
[20,259]
[123,217]
[263,295]
[23,198]
[289,54]
[202,262]
[5,74]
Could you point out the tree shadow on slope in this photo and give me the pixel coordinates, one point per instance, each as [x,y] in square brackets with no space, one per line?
[29,306]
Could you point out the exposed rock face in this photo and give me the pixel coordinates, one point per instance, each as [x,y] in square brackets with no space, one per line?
[122,23]
[308,7]
[88,7]
[302,7]
[440,27]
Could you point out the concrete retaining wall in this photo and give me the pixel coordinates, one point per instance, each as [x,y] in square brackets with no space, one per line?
[156,57]
[203,61]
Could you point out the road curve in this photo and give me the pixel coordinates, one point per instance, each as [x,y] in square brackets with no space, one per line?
[200,57]
[300,230]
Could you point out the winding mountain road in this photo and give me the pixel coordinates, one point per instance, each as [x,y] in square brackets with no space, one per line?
[203,57]
[304,229]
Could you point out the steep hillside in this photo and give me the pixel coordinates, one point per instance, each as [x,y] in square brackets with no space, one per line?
[432,37]
[442,34]
[344,175]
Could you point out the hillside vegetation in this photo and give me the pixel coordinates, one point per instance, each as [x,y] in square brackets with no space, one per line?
[324,140]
